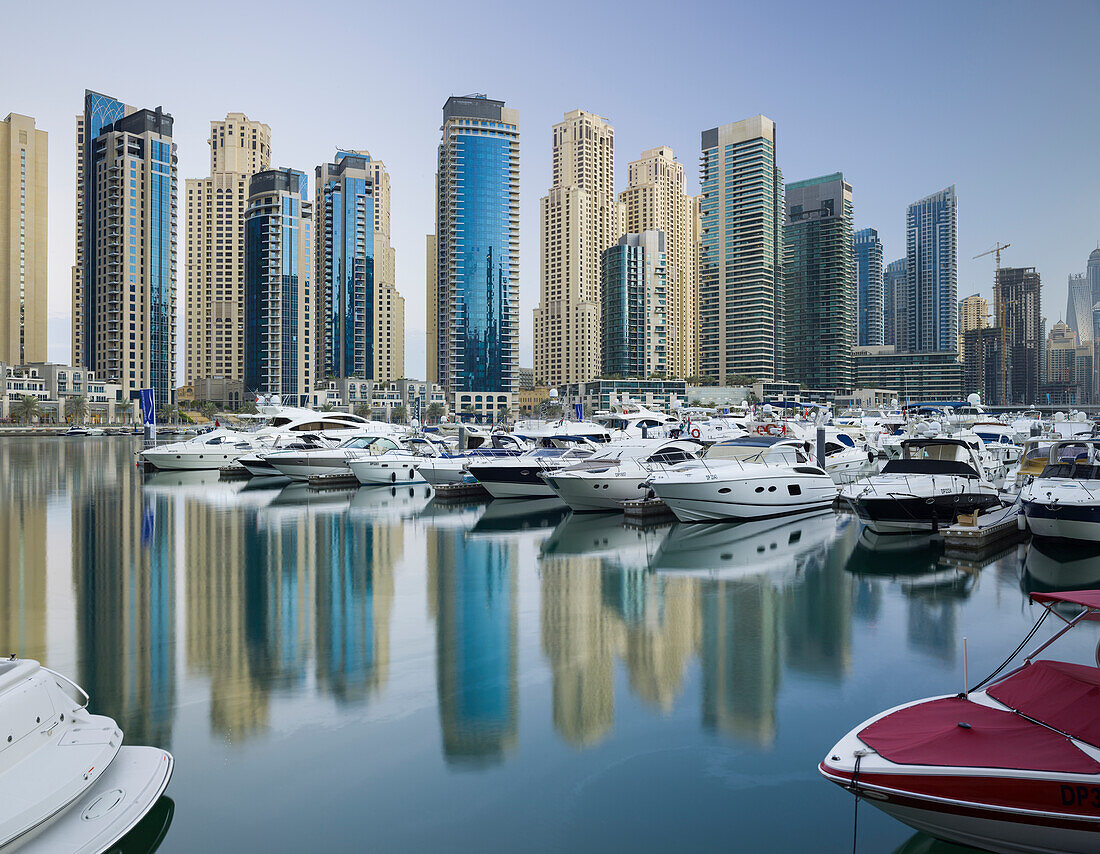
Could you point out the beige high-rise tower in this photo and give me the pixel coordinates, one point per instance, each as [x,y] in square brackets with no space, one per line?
[656,200]
[23,170]
[579,218]
[214,237]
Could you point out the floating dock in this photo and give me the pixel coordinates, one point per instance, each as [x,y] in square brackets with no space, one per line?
[340,480]
[234,473]
[449,493]
[991,532]
[646,511]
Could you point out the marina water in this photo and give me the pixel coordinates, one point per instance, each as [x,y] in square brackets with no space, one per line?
[369,670]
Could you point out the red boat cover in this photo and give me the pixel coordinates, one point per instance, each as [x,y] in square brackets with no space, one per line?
[1064,696]
[1088,598]
[930,734]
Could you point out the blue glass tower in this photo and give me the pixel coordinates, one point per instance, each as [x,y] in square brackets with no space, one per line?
[932,256]
[124,281]
[895,305]
[633,284]
[345,267]
[869,287]
[475,320]
[277,286]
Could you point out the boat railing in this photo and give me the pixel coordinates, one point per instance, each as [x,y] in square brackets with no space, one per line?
[64,683]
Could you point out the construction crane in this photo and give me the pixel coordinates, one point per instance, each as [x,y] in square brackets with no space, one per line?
[1002,315]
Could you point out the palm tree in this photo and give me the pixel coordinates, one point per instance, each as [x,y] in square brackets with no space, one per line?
[123,409]
[249,407]
[398,414]
[208,409]
[364,410]
[327,407]
[78,408]
[26,409]
[436,411]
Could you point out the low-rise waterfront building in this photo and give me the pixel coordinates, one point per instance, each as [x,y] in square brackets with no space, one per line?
[598,395]
[56,387]
[915,376]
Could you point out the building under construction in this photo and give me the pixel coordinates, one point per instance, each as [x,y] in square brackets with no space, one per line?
[1020,319]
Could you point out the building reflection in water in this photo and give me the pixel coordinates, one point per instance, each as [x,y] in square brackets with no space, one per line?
[355,565]
[124,579]
[23,497]
[476,664]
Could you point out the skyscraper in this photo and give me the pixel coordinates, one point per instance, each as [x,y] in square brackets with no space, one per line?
[214,240]
[124,281]
[23,205]
[895,305]
[819,282]
[1092,273]
[1017,298]
[740,266]
[656,200]
[278,326]
[579,218]
[869,288]
[932,253]
[973,313]
[634,333]
[476,328]
[360,316]
[432,308]
[1079,307]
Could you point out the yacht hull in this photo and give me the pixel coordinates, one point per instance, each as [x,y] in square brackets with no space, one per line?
[208,460]
[376,473]
[1025,819]
[597,494]
[913,514]
[737,499]
[1077,522]
[502,481]
[302,467]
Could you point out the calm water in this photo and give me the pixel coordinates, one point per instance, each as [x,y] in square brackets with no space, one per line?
[369,671]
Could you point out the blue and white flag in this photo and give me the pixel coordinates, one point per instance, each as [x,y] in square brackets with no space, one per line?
[148,407]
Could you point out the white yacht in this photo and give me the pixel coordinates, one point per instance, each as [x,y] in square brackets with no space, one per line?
[617,473]
[255,462]
[398,465]
[934,481]
[1063,503]
[745,479]
[451,468]
[206,451]
[631,421]
[304,463]
[67,783]
[538,431]
[521,477]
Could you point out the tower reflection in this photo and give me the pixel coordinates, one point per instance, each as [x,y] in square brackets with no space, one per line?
[475,645]
[124,580]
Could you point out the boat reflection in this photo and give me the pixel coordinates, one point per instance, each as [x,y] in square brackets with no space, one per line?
[606,537]
[149,833]
[922,843]
[519,514]
[1051,566]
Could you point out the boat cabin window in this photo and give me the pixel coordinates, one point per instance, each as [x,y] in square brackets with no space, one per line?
[1072,453]
[669,456]
[1073,470]
[1039,453]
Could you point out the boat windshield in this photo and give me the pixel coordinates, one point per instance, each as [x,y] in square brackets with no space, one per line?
[1073,471]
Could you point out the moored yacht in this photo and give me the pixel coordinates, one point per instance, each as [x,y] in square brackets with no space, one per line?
[304,463]
[617,473]
[1011,765]
[255,462]
[745,479]
[398,465]
[1063,502]
[521,477]
[67,783]
[210,450]
[451,468]
[934,481]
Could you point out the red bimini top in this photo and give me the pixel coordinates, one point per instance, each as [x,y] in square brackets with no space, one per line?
[1087,598]
[958,733]
[1061,695]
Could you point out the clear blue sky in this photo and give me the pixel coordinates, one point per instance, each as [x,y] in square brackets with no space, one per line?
[999,98]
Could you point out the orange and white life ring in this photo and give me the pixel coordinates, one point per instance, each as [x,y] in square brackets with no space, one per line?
[696,432]
[772,429]
[762,429]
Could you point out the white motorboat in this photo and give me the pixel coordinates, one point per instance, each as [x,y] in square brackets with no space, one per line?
[751,478]
[933,482]
[256,464]
[1063,503]
[451,468]
[617,473]
[631,421]
[1011,765]
[398,465]
[67,783]
[206,451]
[80,430]
[304,463]
[521,477]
